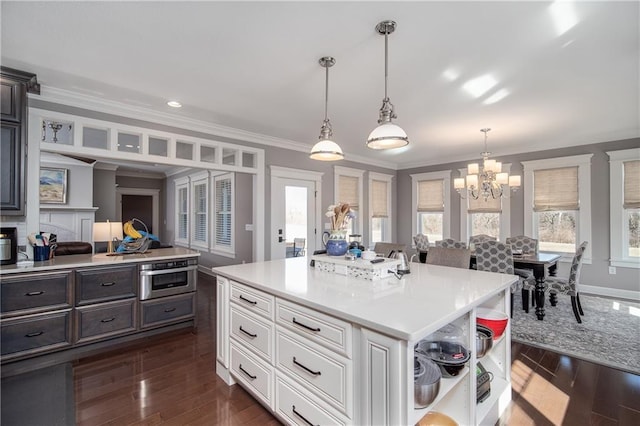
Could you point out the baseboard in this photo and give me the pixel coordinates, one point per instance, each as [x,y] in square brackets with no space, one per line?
[610,292]
[206,270]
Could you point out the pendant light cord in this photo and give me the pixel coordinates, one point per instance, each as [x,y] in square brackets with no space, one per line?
[326,93]
[386,62]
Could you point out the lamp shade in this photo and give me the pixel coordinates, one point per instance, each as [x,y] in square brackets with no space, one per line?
[458,183]
[107,231]
[326,150]
[514,181]
[502,178]
[387,136]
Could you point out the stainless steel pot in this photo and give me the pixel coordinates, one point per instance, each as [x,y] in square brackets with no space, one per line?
[426,381]
[403,267]
[484,340]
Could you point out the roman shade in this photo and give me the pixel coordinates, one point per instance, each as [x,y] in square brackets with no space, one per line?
[431,195]
[631,184]
[555,189]
[348,191]
[379,192]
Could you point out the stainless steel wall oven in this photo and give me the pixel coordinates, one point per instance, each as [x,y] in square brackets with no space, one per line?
[159,279]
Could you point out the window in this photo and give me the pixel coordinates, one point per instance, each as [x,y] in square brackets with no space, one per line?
[348,189]
[224,202]
[182,212]
[625,207]
[431,195]
[380,207]
[200,200]
[557,195]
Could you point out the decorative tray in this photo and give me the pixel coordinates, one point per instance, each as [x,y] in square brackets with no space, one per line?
[358,268]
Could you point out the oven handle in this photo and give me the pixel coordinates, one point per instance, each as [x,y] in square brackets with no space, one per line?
[168,271]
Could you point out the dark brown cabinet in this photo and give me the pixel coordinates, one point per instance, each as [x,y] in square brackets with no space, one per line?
[14,86]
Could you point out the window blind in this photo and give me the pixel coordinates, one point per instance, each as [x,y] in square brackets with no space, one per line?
[224,212]
[632,184]
[200,212]
[431,195]
[348,191]
[379,198]
[183,218]
[491,205]
[555,189]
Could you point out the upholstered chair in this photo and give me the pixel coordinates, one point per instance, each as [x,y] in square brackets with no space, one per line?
[453,257]
[495,256]
[525,245]
[451,243]
[569,286]
[476,239]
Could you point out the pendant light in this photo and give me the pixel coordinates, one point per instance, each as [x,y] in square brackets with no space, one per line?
[326,149]
[387,135]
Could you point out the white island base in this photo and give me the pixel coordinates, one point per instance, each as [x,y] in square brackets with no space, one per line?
[321,348]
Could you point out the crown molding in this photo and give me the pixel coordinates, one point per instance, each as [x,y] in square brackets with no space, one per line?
[93,103]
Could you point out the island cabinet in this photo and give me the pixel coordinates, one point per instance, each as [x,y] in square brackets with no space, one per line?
[320,348]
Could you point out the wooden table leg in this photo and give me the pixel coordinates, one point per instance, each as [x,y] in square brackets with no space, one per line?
[538,272]
[553,297]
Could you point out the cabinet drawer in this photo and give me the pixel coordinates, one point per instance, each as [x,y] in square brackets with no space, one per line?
[296,406]
[168,309]
[35,333]
[252,299]
[30,293]
[105,320]
[255,374]
[327,374]
[321,328]
[103,284]
[254,331]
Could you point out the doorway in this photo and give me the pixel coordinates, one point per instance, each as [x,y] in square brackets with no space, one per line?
[294,210]
[141,204]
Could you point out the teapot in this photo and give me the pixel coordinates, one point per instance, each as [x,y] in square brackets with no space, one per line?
[403,267]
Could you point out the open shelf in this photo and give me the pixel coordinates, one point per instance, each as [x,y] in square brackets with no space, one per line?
[490,407]
[446,385]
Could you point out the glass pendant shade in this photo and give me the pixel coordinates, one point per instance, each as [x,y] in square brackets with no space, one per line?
[387,136]
[326,150]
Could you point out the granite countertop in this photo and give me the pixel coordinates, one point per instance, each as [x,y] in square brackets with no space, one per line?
[91,260]
[408,308]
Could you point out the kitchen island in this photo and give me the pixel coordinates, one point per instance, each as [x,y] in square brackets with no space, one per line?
[323,348]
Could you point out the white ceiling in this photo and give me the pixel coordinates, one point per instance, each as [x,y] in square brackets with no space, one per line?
[254,66]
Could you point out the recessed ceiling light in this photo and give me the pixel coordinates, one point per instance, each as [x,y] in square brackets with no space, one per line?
[174,104]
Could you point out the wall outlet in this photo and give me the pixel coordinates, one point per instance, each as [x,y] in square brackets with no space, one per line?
[612,270]
[248,227]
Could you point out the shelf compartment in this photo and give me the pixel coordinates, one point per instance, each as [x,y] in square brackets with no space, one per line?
[446,386]
[490,410]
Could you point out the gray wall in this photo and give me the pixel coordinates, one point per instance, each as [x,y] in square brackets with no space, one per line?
[595,274]
[104,194]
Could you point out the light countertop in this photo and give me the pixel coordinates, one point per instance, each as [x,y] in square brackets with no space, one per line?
[408,309]
[90,260]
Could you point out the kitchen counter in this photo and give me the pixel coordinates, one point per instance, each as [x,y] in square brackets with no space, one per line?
[408,309]
[101,259]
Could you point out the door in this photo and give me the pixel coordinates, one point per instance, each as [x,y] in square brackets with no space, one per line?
[139,203]
[293,216]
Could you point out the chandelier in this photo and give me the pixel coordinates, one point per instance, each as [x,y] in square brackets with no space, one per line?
[488,181]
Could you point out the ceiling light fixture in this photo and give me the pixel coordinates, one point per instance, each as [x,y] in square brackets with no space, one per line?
[326,149]
[174,104]
[387,135]
[488,181]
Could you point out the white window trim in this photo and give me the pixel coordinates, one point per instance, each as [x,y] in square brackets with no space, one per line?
[505,216]
[199,179]
[446,216]
[226,251]
[617,217]
[357,173]
[583,162]
[388,179]
[179,184]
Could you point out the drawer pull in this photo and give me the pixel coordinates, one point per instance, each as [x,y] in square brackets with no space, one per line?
[293,407]
[170,310]
[108,319]
[247,333]
[34,293]
[251,376]
[36,334]
[108,284]
[253,302]
[316,329]
[315,373]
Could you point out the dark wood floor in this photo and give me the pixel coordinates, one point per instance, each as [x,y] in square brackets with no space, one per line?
[172,381]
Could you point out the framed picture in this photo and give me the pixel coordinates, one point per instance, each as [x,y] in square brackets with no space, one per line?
[53,185]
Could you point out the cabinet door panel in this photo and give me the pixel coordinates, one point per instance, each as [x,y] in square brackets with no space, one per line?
[36,333]
[33,292]
[102,284]
[11,169]
[11,95]
[168,309]
[105,320]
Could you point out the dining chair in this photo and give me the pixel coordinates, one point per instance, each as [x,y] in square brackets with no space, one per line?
[422,242]
[451,243]
[496,256]
[525,245]
[453,257]
[298,246]
[476,239]
[385,249]
[569,285]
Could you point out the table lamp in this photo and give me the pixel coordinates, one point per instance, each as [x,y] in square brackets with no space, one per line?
[107,231]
